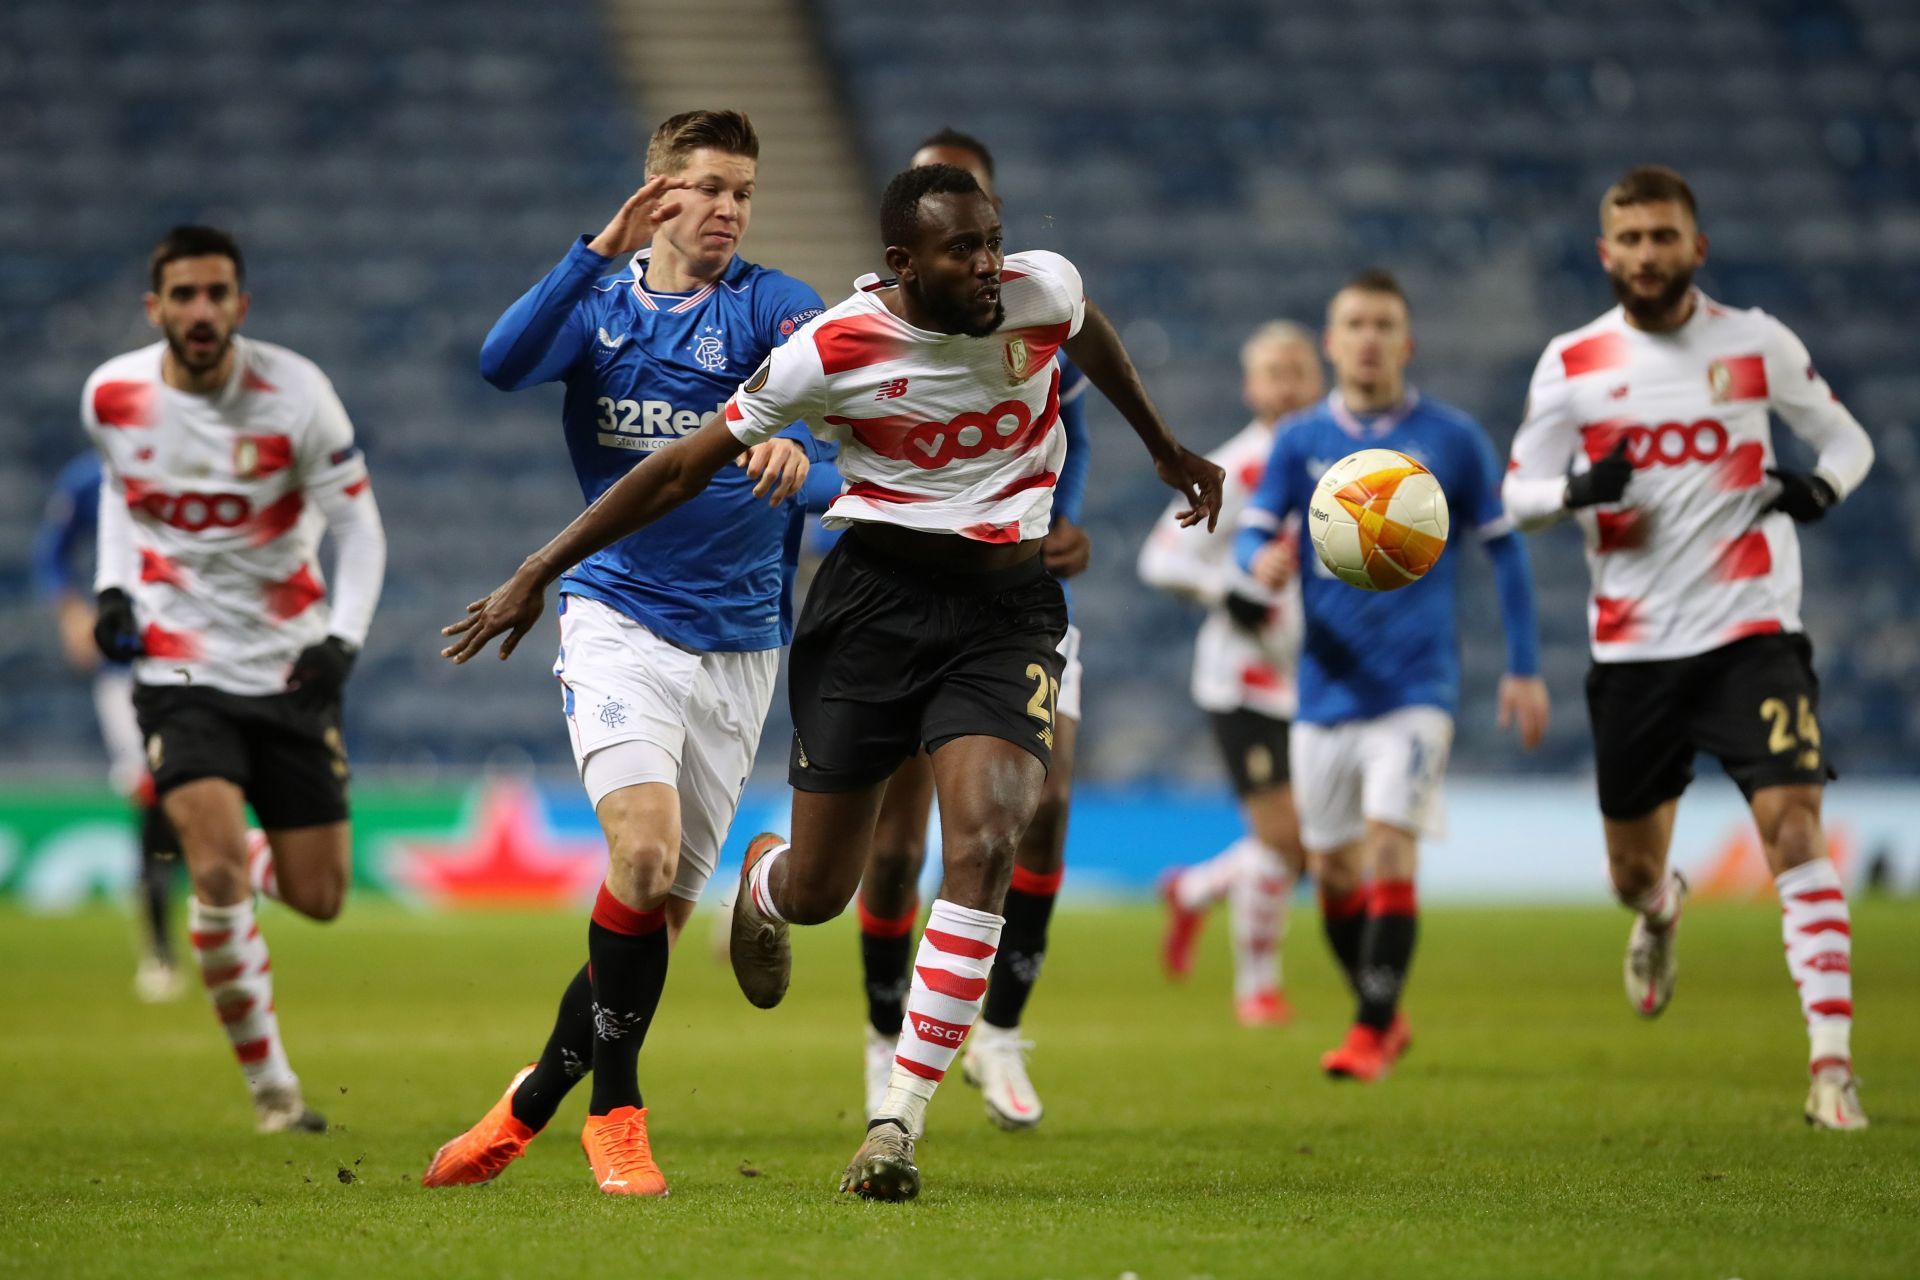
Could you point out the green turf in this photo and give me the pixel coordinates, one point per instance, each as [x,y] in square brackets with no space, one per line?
[1538,1129]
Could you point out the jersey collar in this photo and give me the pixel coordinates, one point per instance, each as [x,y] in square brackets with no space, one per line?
[1349,422]
[668,302]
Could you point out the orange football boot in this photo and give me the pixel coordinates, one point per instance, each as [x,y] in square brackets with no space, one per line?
[1264,1009]
[1398,1037]
[619,1154]
[1183,930]
[479,1154]
[1363,1055]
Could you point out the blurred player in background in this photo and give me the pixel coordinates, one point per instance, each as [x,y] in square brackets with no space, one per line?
[933,623]
[1243,678]
[888,902]
[1660,406]
[1380,672]
[66,530]
[224,459]
[669,644]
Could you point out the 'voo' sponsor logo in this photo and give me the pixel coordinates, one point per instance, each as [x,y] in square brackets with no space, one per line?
[1671,444]
[646,424]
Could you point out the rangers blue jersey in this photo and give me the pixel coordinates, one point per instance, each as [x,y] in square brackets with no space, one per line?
[1367,653]
[641,370]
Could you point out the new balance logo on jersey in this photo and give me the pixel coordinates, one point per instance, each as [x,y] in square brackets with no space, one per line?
[891,390]
[645,425]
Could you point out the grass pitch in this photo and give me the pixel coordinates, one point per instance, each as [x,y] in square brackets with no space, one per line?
[1537,1129]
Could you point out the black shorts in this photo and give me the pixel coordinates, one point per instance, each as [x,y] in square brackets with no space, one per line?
[1753,704]
[1255,749]
[891,656]
[286,757]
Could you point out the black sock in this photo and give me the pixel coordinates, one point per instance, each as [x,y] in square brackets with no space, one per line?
[1345,922]
[1392,924]
[159,858]
[567,1057]
[885,961]
[1023,948]
[629,970]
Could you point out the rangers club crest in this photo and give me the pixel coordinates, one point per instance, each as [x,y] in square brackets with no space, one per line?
[708,352]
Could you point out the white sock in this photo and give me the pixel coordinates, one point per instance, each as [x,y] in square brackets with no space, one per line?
[1257,912]
[1819,938]
[759,886]
[235,966]
[950,972]
[1205,883]
[1660,904]
[260,872]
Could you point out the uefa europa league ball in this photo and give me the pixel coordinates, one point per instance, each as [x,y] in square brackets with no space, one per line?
[1378,520]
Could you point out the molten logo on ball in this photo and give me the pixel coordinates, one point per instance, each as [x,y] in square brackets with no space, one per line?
[1378,520]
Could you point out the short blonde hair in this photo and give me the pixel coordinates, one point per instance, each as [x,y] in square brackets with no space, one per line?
[1277,333]
[678,137]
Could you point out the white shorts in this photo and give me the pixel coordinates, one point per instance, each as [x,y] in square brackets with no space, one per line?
[1387,769]
[120,729]
[1067,702]
[641,709]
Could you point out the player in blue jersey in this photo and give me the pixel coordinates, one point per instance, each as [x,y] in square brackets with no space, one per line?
[668,639]
[66,532]
[1379,674]
[887,903]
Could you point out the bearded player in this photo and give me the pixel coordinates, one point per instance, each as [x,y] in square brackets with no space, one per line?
[1660,406]
[933,624]
[223,460]
[888,903]
[1243,678]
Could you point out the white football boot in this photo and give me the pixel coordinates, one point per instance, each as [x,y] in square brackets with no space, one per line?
[1833,1101]
[1651,964]
[996,1064]
[157,981]
[282,1109]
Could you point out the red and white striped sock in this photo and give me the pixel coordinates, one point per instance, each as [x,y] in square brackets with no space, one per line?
[1257,912]
[1819,943]
[1660,904]
[260,872]
[1205,883]
[950,973]
[239,977]
[760,888]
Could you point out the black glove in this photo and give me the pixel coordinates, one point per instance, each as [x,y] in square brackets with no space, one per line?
[114,629]
[321,670]
[1803,496]
[1246,612]
[1604,481]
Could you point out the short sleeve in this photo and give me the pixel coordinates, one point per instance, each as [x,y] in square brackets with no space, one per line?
[790,385]
[329,459]
[1062,281]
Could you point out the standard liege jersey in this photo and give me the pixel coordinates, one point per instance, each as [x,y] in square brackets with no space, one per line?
[223,499]
[937,431]
[1689,560]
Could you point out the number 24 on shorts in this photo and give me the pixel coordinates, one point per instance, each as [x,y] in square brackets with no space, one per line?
[1040,706]
[1781,739]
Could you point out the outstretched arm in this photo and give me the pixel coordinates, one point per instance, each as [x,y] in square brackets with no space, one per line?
[669,478]
[1100,355]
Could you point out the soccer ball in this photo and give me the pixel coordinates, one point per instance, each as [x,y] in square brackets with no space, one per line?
[1378,520]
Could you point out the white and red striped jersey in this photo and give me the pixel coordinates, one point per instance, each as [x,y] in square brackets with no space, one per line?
[212,507]
[937,431]
[1232,670]
[1686,562]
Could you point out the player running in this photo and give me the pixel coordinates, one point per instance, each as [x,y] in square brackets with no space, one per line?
[66,529]
[224,459]
[888,903]
[1380,673]
[933,623]
[668,643]
[1660,406]
[1243,678]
